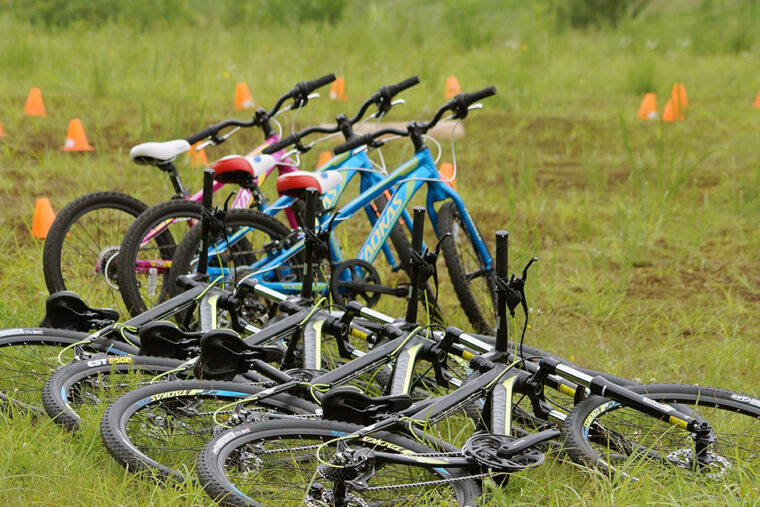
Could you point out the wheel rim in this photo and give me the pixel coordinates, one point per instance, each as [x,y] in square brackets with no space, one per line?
[92,238]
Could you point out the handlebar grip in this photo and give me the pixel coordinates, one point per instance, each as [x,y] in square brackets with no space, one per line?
[281,144]
[310,86]
[471,98]
[353,143]
[502,253]
[203,134]
[403,85]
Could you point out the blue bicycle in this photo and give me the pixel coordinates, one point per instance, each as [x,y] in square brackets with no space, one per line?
[467,258]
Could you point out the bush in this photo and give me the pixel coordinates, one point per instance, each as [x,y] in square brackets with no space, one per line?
[594,13]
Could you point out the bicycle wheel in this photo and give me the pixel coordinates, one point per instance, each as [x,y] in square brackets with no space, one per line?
[28,356]
[81,390]
[257,230]
[276,463]
[161,427]
[83,242]
[618,439]
[473,283]
[147,249]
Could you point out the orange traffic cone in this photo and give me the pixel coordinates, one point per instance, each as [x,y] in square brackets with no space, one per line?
[198,158]
[757,100]
[76,140]
[243,99]
[324,157]
[683,99]
[452,87]
[671,113]
[34,104]
[2,134]
[447,172]
[648,108]
[338,89]
[43,218]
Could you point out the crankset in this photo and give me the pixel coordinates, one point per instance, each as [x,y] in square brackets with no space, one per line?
[356,279]
[493,452]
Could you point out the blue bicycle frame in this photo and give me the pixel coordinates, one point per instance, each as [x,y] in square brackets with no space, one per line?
[404,182]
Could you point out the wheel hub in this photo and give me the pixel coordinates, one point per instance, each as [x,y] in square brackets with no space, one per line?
[107,265]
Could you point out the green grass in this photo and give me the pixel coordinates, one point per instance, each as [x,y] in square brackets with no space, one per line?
[647,232]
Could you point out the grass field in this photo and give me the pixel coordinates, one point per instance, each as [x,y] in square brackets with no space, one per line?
[647,233]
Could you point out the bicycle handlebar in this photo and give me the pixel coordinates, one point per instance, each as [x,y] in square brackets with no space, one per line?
[459,105]
[299,93]
[383,99]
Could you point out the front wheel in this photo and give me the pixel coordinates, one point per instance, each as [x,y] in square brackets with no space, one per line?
[291,462]
[620,440]
[473,283]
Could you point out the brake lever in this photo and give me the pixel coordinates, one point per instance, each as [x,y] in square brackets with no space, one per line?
[477,105]
[525,269]
[313,96]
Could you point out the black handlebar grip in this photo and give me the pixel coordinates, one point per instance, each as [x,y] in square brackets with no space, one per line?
[353,143]
[471,98]
[403,85]
[418,228]
[281,144]
[502,253]
[310,86]
[203,134]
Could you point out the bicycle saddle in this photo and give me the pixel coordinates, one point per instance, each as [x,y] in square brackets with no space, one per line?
[295,184]
[164,339]
[66,310]
[224,355]
[158,153]
[347,404]
[240,170]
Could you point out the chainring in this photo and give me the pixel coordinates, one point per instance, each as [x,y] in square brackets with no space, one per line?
[359,273]
[484,449]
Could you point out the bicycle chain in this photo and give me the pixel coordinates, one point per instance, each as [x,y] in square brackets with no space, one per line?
[449,454]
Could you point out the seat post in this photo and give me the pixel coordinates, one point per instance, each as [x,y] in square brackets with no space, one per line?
[170,169]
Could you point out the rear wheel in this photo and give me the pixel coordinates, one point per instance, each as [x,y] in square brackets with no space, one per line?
[292,462]
[83,243]
[147,249]
[473,283]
